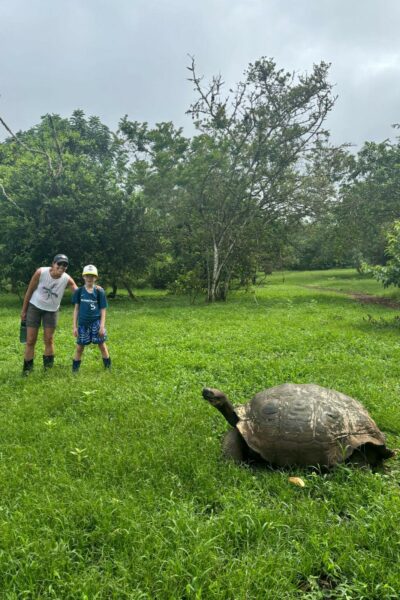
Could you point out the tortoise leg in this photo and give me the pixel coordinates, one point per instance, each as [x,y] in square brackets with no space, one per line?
[358,459]
[233,446]
[370,455]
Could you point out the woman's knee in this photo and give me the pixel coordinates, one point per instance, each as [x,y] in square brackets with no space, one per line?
[48,336]
[31,337]
[31,343]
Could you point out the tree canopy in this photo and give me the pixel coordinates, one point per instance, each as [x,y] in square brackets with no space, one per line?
[64,187]
[257,186]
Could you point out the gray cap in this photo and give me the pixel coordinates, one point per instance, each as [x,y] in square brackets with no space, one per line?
[60,258]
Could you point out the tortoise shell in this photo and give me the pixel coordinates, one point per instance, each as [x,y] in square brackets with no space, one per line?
[305,424]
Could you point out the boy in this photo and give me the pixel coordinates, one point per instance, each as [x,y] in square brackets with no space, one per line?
[90,318]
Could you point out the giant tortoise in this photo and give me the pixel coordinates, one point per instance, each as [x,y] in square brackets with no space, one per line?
[300,424]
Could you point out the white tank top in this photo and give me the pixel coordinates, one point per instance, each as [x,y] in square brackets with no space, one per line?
[49,291]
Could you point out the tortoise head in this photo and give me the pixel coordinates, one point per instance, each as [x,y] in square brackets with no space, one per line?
[214,396]
[220,401]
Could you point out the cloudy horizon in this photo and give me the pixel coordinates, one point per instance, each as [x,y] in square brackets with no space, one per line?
[130,57]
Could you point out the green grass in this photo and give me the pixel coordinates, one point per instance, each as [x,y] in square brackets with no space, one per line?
[113,486]
[341,280]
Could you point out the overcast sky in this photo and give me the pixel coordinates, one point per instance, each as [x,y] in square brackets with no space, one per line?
[117,57]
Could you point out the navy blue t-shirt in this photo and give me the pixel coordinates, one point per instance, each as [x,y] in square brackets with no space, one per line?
[89,304]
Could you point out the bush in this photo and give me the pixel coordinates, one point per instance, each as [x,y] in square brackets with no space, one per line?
[390,273]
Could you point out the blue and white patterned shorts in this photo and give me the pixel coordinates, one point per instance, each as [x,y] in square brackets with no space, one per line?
[89,334]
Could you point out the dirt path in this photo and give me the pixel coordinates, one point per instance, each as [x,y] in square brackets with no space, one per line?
[364,298]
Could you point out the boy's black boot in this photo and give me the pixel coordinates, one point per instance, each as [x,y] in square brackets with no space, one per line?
[75,365]
[28,367]
[107,363]
[48,361]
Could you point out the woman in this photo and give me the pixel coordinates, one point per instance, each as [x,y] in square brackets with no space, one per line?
[41,304]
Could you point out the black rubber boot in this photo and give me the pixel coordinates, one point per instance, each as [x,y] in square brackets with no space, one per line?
[75,365]
[107,363]
[48,361]
[28,367]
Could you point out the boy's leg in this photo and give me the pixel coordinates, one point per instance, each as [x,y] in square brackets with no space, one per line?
[79,351]
[106,355]
[76,361]
[101,343]
[104,350]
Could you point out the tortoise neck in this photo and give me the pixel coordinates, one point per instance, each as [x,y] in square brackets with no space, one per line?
[227,410]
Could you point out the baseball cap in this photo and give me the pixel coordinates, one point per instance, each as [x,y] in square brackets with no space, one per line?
[60,258]
[90,270]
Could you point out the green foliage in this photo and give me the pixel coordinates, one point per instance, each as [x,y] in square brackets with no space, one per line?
[189,284]
[218,198]
[113,484]
[257,187]
[354,200]
[370,200]
[70,196]
[390,273]
[243,176]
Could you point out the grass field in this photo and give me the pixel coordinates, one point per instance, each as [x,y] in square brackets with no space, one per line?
[113,485]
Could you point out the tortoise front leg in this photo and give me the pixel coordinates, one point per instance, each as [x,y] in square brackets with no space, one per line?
[234,447]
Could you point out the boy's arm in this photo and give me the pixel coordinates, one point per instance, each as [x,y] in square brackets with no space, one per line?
[75,320]
[102,320]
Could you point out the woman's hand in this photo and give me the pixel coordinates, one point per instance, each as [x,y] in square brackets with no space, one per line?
[75,331]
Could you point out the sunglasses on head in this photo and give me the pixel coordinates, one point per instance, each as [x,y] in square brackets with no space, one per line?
[62,264]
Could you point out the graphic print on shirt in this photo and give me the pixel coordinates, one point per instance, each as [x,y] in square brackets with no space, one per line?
[91,303]
[48,291]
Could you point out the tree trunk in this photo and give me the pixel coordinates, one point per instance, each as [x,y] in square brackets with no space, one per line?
[129,290]
[213,283]
[217,289]
[113,293]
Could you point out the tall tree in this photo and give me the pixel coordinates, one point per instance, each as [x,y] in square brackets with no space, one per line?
[157,174]
[220,194]
[63,185]
[245,161]
[370,199]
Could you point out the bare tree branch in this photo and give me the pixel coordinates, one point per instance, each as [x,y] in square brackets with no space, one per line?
[10,200]
[57,145]
[54,173]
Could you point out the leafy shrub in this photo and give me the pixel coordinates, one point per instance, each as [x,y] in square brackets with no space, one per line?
[390,273]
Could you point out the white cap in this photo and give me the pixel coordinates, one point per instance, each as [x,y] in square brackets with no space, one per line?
[90,270]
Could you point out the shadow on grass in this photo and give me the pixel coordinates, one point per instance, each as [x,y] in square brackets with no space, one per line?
[315,299]
[262,299]
[370,324]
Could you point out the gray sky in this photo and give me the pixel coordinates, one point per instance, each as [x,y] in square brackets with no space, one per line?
[117,57]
